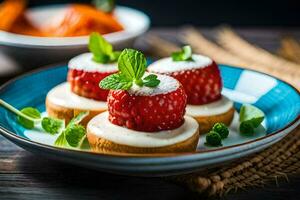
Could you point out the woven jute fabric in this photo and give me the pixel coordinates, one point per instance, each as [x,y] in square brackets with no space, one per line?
[275,163]
[272,164]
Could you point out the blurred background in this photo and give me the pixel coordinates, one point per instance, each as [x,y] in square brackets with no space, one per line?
[271,25]
[211,13]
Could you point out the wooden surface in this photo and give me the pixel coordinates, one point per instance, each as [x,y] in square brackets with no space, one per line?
[26,176]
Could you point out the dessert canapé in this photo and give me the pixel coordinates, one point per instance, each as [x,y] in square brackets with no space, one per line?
[202,82]
[145,112]
[82,91]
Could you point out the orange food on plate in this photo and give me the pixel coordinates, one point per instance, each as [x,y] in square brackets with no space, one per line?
[82,20]
[10,12]
[77,20]
[24,27]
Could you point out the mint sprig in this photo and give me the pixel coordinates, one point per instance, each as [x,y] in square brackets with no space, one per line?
[30,117]
[102,50]
[185,54]
[74,134]
[250,118]
[132,66]
[52,125]
[32,113]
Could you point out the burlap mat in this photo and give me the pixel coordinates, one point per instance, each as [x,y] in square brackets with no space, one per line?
[273,164]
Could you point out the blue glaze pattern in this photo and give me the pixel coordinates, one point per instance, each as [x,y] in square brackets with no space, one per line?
[279,101]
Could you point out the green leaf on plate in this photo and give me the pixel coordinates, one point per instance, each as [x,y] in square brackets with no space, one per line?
[61,140]
[78,118]
[52,125]
[74,134]
[250,118]
[32,113]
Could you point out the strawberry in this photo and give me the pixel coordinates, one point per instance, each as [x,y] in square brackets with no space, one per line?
[202,85]
[147,113]
[86,84]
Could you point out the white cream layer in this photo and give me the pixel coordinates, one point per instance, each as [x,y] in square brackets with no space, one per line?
[167,84]
[102,127]
[215,108]
[62,95]
[167,65]
[85,62]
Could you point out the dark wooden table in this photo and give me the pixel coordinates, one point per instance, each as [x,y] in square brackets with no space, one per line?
[27,176]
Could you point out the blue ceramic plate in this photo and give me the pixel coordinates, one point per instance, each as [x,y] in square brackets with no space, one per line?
[279,101]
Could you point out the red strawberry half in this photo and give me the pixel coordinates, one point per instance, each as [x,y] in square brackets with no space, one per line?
[147,113]
[202,85]
[86,84]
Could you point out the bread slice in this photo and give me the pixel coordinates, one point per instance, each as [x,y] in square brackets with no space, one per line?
[207,122]
[103,145]
[67,114]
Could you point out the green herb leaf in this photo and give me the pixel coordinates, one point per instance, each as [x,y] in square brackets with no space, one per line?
[250,118]
[84,144]
[213,139]
[74,134]
[151,81]
[184,55]
[101,49]
[132,64]
[222,129]
[33,113]
[115,82]
[105,5]
[115,55]
[247,127]
[78,118]
[51,125]
[61,140]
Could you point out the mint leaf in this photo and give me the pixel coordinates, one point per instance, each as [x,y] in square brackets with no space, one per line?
[101,49]
[247,127]
[33,113]
[184,55]
[105,5]
[74,134]
[61,140]
[115,82]
[132,64]
[250,118]
[78,118]
[115,55]
[213,139]
[151,81]
[51,125]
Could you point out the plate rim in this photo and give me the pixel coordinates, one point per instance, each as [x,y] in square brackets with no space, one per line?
[13,136]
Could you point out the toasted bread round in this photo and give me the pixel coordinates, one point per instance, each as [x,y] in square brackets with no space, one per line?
[102,145]
[67,114]
[207,122]
[62,103]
